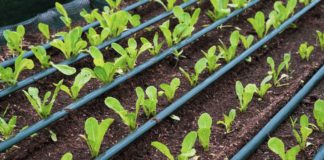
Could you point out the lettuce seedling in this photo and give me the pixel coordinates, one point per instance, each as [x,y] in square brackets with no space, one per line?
[103,71]
[305,2]
[10,76]
[200,66]
[42,107]
[229,53]
[6,129]
[148,104]
[94,38]
[237,4]
[14,39]
[318,112]
[156,46]
[187,147]
[67,156]
[212,59]
[264,86]
[89,17]
[114,4]
[247,40]
[95,133]
[129,118]
[228,120]
[44,29]
[304,130]
[72,44]
[41,54]
[131,53]
[169,6]
[64,15]
[305,51]
[245,94]
[277,146]
[320,37]
[204,130]
[275,73]
[258,23]
[65,69]
[169,90]
[220,9]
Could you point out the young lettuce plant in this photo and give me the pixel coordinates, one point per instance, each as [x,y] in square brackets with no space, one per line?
[10,76]
[114,4]
[41,54]
[277,146]
[305,51]
[7,128]
[247,40]
[64,15]
[304,130]
[187,147]
[237,4]
[169,6]
[228,120]
[245,94]
[258,23]
[275,73]
[94,38]
[44,29]
[264,86]
[320,37]
[156,46]
[229,53]
[14,39]
[72,44]
[212,59]
[131,53]
[89,17]
[200,66]
[169,90]
[67,156]
[148,104]
[204,130]
[95,133]
[129,118]
[318,113]
[42,107]
[220,9]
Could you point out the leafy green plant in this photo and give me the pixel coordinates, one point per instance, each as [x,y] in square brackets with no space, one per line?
[245,94]
[258,23]
[156,46]
[275,73]
[277,146]
[10,76]
[320,37]
[131,53]
[305,2]
[80,80]
[89,17]
[64,15]
[193,78]
[42,107]
[103,71]
[247,40]
[305,51]
[228,120]
[67,156]
[65,69]
[318,112]
[129,118]
[41,54]
[148,104]
[239,3]
[169,6]
[169,90]
[181,30]
[229,53]
[95,133]
[220,9]
[94,38]
[264,86]
[204,130]
[304,130]
[44,29]
[187,147]
[114,4]
[14,39]
[212,59]
[7,128]
[72,44]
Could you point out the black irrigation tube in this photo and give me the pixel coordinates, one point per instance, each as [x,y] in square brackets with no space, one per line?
[87,98]
[320,154]
[81,56]
[30,53]
[280,117]
[215,76]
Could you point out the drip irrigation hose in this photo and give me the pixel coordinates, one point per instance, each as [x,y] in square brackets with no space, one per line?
[87,98]
[281,116]
[80,56]
[30,53]
[178,103]
[320,154]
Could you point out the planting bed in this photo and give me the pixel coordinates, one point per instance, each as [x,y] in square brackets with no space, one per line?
[216,100]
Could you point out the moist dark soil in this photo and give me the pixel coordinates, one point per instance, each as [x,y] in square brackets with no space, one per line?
[284,132]
[216,100]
